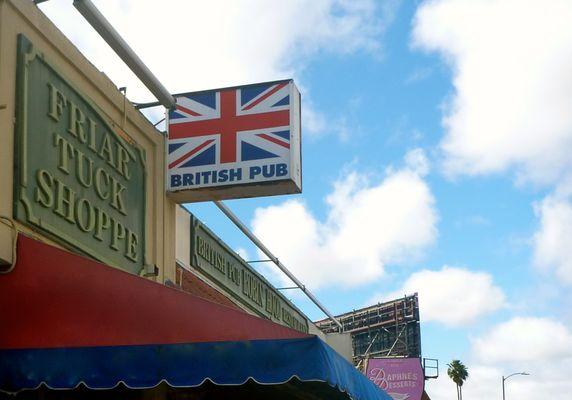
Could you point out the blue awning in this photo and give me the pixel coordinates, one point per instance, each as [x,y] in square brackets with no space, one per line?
[268,362]
[69,321]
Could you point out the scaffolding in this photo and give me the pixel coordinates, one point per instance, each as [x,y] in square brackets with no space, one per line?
[389,329]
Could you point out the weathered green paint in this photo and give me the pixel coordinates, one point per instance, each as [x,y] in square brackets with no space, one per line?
[214,258]
[75,179]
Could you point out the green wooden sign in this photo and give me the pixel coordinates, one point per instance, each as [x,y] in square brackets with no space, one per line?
[75,179]
[215,259]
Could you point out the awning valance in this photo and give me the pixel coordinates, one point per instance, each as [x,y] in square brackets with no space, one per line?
[67,321]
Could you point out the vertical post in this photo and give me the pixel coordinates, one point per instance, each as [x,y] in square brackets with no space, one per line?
[503,387]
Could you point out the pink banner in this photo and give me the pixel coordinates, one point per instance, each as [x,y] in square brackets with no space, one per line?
[401,378]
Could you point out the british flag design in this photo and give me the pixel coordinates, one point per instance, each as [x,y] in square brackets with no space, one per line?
[233,137]
[230,125]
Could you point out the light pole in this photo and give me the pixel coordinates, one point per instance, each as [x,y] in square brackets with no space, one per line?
[504,378]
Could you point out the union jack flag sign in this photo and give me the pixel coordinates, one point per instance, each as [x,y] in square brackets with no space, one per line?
[221,140]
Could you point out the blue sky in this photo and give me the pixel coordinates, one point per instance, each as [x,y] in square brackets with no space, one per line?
[436,143]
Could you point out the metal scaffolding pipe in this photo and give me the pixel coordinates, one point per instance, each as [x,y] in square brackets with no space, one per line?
[116,42]
[275,260]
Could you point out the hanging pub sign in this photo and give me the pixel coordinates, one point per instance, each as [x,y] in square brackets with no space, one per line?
[234,143]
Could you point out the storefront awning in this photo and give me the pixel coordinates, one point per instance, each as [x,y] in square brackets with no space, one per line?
[67,321]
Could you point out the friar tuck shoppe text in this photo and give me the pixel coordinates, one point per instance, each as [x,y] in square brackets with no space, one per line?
[75,178]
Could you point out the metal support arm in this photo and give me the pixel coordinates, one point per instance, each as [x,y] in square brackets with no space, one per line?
[116,42]
[275,260]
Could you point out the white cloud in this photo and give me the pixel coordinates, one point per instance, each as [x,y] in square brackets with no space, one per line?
[221,43]
[541,347]
[511,64]
[243,253]
[417,161]
[524,339]
[510,109]
[314,121]
[483,383]
[452,296]
[547,380]
[368,225]
[418,75]
[553,240]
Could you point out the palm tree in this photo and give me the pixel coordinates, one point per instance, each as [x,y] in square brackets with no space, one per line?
[459,374]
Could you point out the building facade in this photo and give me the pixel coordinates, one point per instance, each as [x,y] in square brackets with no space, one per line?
[109,290]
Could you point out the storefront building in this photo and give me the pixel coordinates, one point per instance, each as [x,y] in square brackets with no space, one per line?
[99,294]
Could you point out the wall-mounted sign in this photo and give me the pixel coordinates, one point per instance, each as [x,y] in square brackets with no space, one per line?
[401,378]
[75,179]
[236,278]
[235,142]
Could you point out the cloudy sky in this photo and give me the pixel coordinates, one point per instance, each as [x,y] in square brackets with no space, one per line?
[437,142]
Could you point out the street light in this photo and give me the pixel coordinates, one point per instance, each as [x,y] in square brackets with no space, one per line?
[505,378]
